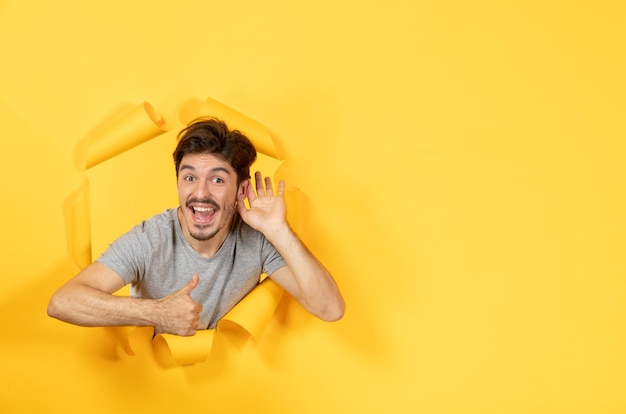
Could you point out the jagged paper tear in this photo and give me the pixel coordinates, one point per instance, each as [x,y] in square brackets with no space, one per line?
[258,134]
[143,123]
[249,317]
[138,126]
[252,315]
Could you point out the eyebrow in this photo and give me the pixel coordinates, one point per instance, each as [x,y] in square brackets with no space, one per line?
[213,170]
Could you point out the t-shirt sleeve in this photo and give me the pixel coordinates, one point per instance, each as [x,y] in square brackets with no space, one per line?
[272,260]
[126,256]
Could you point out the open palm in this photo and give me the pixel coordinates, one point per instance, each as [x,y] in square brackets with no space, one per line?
[267,210]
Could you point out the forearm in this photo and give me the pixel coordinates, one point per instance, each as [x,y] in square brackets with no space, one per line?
[87,306]
[304,277]
[311,284]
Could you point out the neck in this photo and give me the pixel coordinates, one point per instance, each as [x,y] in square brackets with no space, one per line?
[205,248]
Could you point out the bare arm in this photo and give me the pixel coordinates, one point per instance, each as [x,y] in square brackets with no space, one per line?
[88,300]
[304,277]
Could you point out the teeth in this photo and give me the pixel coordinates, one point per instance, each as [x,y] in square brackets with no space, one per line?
[203,209]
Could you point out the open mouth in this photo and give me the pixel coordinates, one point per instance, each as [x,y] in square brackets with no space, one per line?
[202,214]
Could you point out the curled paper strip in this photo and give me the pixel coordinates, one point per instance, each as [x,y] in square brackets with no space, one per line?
[144,123]
[79,225]
[258,134]
[254,311]
[136,127]
[183,350]
[251,315]
[130,338]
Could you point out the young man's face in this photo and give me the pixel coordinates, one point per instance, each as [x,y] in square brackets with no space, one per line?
[207,191]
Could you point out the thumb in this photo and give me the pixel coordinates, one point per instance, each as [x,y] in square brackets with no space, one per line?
[191,285]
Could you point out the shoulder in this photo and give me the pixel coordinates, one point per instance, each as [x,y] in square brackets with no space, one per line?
[165,220]
[149,239]
[153,231]
[243,232]
[251,241]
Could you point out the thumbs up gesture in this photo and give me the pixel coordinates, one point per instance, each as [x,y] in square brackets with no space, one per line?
[178,312]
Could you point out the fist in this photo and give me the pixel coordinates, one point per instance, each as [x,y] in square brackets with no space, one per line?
[179,313]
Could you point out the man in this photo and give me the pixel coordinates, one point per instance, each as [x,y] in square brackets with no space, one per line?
[189,266]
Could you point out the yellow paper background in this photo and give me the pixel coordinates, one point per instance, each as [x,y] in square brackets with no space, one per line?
[462,172]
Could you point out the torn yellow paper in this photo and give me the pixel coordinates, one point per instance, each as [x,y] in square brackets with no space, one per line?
[120,335]
[183,350]
[138,126]
[258,134]
[79,225]
[294,201]
[252,314]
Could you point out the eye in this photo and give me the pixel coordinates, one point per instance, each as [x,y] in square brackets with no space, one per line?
[218,180]
[188,178]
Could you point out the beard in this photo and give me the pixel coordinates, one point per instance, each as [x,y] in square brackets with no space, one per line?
[229,212]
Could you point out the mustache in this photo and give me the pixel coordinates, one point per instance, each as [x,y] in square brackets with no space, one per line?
[208,201]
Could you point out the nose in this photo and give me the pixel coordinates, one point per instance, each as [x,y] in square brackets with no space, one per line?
[202,189]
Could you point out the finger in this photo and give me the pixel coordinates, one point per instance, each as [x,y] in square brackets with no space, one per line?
[241,207]
[191,285]
[250,193]
[269,189]
[189,332]
[259,184]
[281,188]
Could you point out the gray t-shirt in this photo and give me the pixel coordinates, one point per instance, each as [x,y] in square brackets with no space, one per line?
[156,259]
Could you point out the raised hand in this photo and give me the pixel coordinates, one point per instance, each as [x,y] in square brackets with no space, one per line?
[179,312]
[304,277]
[267,211]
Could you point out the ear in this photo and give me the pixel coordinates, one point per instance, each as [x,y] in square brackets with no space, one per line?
[242,191]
